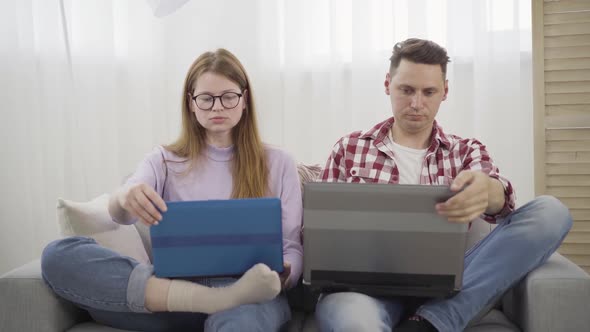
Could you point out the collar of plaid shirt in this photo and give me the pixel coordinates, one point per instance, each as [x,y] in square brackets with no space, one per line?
[380,131]
[366,157]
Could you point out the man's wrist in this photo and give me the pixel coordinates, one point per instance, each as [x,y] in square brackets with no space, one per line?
[496,196]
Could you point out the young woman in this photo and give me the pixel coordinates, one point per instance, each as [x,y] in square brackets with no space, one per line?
[219,155]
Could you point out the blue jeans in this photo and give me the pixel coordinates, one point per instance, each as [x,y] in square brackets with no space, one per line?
[111,288]
[523,241]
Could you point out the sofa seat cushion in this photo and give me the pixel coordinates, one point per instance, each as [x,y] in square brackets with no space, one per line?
[495,321]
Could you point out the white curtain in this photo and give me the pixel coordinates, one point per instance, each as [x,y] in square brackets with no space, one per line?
[88,87]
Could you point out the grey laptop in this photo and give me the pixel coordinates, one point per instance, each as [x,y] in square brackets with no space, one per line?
[381,239]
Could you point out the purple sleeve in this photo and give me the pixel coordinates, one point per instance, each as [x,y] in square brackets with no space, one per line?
[147,172]
[150,171]
[292,209]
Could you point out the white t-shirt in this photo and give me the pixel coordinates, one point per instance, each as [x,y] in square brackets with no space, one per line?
[409,162]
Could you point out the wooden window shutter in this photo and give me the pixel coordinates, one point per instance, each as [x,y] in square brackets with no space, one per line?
[561,67]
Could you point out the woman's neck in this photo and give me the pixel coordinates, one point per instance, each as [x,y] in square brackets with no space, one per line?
[220,140]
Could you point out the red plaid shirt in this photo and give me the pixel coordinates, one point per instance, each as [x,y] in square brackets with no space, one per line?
[368,157]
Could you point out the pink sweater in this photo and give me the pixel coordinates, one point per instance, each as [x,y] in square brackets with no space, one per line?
[211,179]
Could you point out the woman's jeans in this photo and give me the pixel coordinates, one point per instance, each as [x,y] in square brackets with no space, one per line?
[111,288]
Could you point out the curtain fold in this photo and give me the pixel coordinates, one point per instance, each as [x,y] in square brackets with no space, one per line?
[89,87]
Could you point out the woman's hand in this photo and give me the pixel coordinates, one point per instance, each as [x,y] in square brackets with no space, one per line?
[142,202]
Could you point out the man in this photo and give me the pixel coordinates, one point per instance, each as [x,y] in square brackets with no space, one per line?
[411,148]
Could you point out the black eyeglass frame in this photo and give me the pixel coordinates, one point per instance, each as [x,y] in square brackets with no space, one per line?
[194,98]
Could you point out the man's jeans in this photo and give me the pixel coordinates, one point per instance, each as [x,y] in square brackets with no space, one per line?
[523,241]
[111,288]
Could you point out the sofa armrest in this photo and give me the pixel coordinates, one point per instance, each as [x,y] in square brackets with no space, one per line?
[30,305]
[554,297]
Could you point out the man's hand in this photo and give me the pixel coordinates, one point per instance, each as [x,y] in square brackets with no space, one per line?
[471,202]
[285,275]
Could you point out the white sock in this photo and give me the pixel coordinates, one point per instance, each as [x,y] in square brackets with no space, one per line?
[259,284]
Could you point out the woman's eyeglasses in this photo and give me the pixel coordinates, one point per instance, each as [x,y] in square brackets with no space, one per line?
[228,100]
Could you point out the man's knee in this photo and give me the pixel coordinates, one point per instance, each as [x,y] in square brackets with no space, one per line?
[549,220]
[350,312]
[554,219]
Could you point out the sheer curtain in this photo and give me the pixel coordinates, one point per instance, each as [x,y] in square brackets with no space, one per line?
[88,87]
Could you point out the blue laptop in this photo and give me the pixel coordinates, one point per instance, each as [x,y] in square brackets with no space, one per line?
[217,237]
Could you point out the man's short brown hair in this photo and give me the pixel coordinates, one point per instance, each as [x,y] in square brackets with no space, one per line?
[419,51]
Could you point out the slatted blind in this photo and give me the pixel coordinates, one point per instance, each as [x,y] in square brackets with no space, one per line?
[561,33]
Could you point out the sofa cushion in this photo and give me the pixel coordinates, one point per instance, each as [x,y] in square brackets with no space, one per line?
[493,321]
[92,219]
[308,173]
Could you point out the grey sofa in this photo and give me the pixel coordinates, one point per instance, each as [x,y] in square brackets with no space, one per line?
[553,298]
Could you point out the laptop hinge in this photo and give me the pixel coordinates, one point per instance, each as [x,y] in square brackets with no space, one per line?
[381,283]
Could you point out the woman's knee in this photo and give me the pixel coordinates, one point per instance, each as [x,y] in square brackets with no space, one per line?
[58,252]
[59,255]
